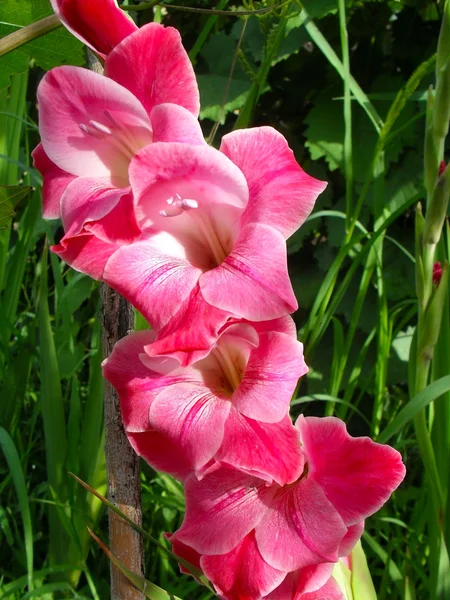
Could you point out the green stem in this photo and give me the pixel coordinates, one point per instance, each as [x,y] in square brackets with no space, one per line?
[30,32]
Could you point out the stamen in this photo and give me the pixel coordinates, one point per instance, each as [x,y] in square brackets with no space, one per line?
[110,117]
[178,206]
[100,127]
[89,131]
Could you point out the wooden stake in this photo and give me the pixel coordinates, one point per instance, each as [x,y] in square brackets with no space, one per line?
[122,463]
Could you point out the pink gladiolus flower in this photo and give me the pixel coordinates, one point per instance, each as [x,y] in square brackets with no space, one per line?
[228,408]
[233,518]
[92,126]
[100,24]
[216,225]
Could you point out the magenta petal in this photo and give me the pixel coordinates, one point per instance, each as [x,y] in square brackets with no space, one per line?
[133,380]
[352,536]
[100,24]
[269,451]
[300,529]
[119,225]
[356,474]
[221,510]
[330,591]
[311,579]
[111,120]
[89,199]
[199,172]
[85,253]
[154,282]
[192,331]
[284,324]
[241,573]
[155,67]
[55,181]
[252,282]
[187,553]
[281,194]
[160,453]
[270,378]
[173,123]
[192,417]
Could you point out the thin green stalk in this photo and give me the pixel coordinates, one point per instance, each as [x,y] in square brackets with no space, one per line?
[348,155]
[30,32]
[200,41]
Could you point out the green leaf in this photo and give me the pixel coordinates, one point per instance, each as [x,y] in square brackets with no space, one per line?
[414,406]
[218,54]
[150,590]
[15,468]
[10,196]
[320,8]
[53,49]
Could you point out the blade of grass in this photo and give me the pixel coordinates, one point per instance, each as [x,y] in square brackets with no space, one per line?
[150,590]
[15,468]
[53,416]
[414,406]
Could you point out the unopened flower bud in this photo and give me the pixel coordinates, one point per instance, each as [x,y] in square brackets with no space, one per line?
[437,273]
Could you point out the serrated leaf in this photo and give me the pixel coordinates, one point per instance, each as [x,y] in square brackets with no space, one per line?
[10,196]
[212,88]
[53,49]
[319,8]
[325,132]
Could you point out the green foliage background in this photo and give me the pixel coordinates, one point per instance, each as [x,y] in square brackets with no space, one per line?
[356,317]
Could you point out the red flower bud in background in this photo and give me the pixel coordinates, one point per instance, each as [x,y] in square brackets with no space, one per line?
[437,273]
[100,24]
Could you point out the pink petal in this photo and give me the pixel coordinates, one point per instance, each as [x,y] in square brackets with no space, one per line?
[300,529]
[119,225]
[221,510]
[187,553]
[88,199]
[241,573]
[201,173]
[160,453]
[157,279]
[311,579]
[269,451]
[173,123]
[100,24]
[291,587]
[253,281]
[356,474]
[353,535]
[284,324]
[71,96]
[281,194]
[190,334]
[55,181]
[330,591]
[135,383]
[154,66]
[270,378]
[85,253]
[192,417]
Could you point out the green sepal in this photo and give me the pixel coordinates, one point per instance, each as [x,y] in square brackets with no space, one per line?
[431,153]
[437,209]
[433,315]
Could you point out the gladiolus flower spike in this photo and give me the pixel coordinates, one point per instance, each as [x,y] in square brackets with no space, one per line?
[195,239]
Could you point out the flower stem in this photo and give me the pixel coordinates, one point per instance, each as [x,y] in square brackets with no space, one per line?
[26,34]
